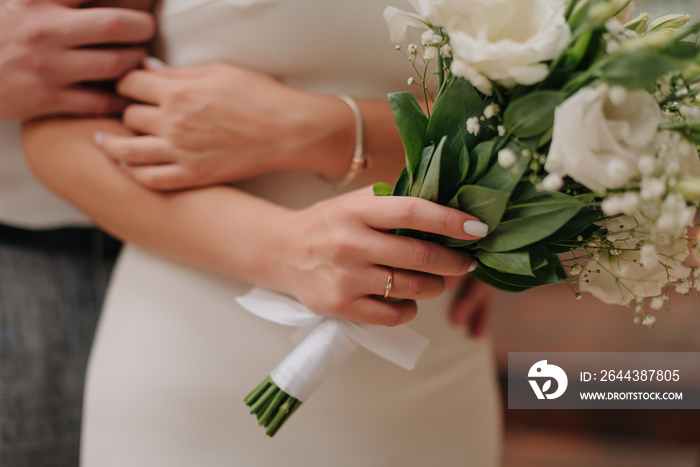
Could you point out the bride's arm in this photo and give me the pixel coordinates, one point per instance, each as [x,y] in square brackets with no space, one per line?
[219,123]
[333,256]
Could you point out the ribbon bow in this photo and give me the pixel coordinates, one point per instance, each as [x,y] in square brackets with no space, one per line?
[327,341]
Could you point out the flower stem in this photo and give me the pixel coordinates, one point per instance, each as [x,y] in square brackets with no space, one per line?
[271,405]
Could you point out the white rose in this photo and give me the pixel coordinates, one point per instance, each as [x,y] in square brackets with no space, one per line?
[597,142]
[431,11]
[504,40]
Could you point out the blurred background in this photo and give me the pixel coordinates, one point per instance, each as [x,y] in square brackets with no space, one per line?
[552,320]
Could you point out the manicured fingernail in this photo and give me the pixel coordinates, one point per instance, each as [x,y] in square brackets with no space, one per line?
[153,63]
[472,266]
[98,137]
[476,228]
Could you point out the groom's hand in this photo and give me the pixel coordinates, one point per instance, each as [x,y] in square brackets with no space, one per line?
[45,56]
[472,305]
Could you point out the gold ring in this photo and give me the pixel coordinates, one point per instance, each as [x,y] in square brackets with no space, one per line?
[389,283]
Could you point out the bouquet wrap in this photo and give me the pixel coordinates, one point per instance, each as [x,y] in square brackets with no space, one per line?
[325,343]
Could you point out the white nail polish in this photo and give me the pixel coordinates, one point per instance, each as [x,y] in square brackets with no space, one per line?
[472,266]
[153,63]
[98,137]
[476,228]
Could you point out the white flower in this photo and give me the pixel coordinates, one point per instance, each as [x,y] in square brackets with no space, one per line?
[626,15]
[410,81]
[648,256]
[647,165]
[506,41]
[676,216]
[429,38]
[630,202]
[612,45]
[688,157]
[612,206]
[598,143]
[617,172]
[399,21]
[689,112]
[672,21]
[552,182]
[491,110]
[649,320]
[657,303]
[507,158]
[479,81]
[652,188]
[501,130]
[625,203]
[683,287]
[618,95]
[614,26]
[446,51]
[473,125]
[430,53]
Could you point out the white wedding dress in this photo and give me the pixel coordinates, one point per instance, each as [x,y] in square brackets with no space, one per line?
[175,355]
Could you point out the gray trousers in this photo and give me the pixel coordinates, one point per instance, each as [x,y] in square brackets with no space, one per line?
[52,285]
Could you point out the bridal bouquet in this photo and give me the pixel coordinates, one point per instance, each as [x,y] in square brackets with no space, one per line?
[569,127]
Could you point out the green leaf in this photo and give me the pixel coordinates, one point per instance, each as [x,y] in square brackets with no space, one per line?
[582,221]
[480,275]
[687,31]
[416,184]
[480,158]
[450,174]
[512,262]
[412,124]
[682,51]
[540,257]
[529,225]
[574,55]
[486,204]
[382,189]
[543,276]
[451,111]
[637,69]
[431,184]
[580,20]
[464,162]
[402,184]
[532,114]
[505,179]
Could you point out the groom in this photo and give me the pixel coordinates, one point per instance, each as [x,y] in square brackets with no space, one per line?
[53,264]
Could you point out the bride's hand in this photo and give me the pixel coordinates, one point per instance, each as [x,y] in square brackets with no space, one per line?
[219,123]
[338,254]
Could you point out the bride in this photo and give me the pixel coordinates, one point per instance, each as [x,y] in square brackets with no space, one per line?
[174,354]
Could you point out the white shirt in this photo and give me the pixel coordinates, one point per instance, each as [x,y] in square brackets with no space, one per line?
[24,201]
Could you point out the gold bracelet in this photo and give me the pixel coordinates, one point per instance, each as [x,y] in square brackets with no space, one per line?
[360,160]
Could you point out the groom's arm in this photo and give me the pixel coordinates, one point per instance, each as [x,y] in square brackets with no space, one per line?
[45,58]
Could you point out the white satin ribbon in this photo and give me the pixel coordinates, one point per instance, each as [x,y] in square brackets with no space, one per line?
[328,341]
